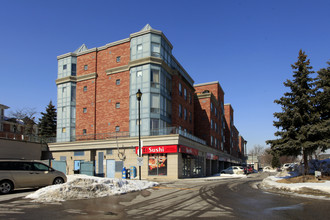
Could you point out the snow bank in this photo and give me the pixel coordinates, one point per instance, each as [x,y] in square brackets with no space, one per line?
[83,187]
[271,182]
[224,176]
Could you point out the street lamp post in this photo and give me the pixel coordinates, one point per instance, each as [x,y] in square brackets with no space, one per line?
[138,96]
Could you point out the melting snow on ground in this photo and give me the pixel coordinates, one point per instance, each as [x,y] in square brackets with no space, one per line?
[84,187]
[324,186]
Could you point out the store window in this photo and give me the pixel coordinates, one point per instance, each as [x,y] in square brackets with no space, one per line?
[157,165]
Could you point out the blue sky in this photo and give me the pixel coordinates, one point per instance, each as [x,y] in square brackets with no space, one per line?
[248,46]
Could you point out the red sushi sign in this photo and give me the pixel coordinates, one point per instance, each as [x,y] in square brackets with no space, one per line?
[158,149]
[188,150]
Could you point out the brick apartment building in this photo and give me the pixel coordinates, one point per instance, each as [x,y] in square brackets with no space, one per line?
[183,126]
[13,128]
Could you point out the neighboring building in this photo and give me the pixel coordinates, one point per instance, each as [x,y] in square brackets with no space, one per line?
[182,124]
[242,148]
[12,128]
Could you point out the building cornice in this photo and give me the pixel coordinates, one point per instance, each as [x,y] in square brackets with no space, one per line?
[87,51]
[153,31]
[66,55]
[113,44]
[117,69]
[139,62]
[86,77]
[66,79]
[209,83]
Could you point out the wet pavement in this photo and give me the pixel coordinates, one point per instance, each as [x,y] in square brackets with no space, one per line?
[193,198]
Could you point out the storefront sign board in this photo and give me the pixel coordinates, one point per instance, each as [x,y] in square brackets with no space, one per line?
[188,150]
[158,149]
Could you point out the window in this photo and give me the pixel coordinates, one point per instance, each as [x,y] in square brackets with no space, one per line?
[63,130]
[84,110]
[211,140]
[155,103]
[211,124]
[109,152]
[185,114]
[139,73]
[79,153]
[85,89]
[157,164]
[118,59]
[190,117]
[73,69]
[215,126]
[189,98]
[155,49]
[185,94]
[180,89]
[40,167]
[86,67]
[139,48]
[211,107]
[64,67]
[118,82]
[119,166]
[154,126]
[84,131]
[215,111]
[180,111]
[154,78]
[117,128]
[118,105]
[63,89]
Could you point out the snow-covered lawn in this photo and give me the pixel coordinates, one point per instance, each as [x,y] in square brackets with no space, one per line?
[271,181]
[84,187]
[323,186]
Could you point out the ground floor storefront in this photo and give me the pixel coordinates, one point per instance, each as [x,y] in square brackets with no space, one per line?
[163,157]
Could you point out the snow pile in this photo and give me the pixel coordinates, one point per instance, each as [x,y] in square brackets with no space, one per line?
[84,187]
[225,176]
[271,182]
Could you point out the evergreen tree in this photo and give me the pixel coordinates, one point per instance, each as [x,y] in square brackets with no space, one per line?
[296,120]
[47,123]
[322,104]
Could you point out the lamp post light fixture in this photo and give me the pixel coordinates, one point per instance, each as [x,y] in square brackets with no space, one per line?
[138,96]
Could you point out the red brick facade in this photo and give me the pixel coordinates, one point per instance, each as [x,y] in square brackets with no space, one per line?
[209,119]
[229,116]
[186,102]
[106,100]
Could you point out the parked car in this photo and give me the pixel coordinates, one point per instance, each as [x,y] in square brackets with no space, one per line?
[268,169]
[286,166]
[27,174]
[233,170]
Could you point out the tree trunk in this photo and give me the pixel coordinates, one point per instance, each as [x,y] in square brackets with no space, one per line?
[306,168]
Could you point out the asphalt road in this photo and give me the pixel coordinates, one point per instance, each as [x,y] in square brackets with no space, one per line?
[193,199]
